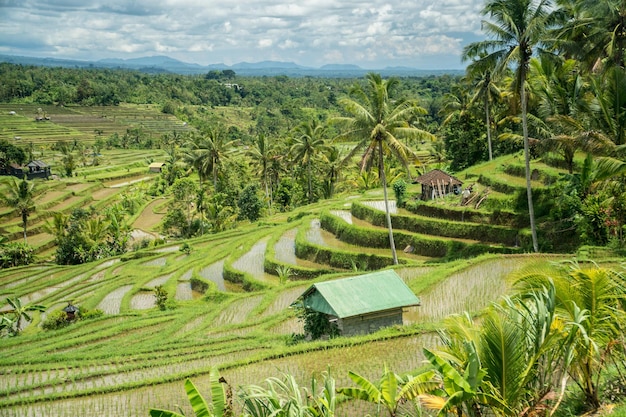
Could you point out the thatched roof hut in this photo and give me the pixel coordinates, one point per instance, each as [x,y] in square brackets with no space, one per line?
[437,183]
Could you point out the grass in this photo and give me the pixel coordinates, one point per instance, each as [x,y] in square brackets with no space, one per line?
[135,357]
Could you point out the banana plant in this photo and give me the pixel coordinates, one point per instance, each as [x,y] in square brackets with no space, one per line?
[220,400]
[21,312]
[460,393]
[391,390]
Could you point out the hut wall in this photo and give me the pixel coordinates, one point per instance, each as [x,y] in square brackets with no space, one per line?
[369,323]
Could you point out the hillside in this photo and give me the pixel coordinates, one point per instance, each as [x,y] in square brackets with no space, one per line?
[230,292]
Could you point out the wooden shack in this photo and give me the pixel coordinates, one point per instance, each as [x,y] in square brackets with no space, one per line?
[437,184]
[362,304]
[156,166]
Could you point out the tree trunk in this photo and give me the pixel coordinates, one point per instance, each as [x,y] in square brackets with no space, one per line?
[308,173]
[488,121]
[381,168]
[529,191]
[24,221]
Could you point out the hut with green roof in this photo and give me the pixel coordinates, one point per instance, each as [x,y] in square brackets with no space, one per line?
[361,304]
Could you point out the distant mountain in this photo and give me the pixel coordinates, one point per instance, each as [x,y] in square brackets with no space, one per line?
[340,67]
[266,65]
[165,64]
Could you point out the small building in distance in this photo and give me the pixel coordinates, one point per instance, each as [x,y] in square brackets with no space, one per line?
[438,184]
[156,167]
[38,169]
[34,169]
[362,304]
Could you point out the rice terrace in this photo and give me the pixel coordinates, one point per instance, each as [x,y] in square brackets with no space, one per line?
[159,230]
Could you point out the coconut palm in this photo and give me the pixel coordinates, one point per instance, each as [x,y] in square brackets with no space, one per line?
[261,152]
[592,299]
[20,195]
[208,152]
[378,123]
[508,362]
[594,32]
[517,28]
[488,91]
[309,144]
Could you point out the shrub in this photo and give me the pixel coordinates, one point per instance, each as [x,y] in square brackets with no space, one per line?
[16,254]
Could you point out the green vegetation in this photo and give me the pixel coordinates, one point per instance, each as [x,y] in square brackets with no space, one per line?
[185,216]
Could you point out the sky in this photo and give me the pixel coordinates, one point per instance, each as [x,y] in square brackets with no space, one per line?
[374,34]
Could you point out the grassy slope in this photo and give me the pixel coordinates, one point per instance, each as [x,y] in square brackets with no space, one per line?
[134,359]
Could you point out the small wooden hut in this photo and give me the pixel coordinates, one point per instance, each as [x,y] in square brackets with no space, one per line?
[361,304]
[437,183]
[38,169]
[156,166]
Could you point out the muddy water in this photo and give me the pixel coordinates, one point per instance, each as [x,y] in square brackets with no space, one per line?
[112,303]
[215,274]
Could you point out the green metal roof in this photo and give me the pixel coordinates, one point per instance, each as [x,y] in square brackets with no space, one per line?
[347,297]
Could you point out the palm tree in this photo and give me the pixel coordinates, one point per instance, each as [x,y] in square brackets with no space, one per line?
[262,153]
[378,123]
[488,91]
[308,144]
[594,32]
[517,27]
[208,152]
[21,196]
[592,300]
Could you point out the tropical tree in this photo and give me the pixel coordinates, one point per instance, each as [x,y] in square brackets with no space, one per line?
[517,27]
[487,91]
[261,152]
[208,152]
[594,32]
[309,144]
[592,299]
[20,313]
[390,391]
[510,362]
[286,398]
[378,122]
[20,195]
[221,399]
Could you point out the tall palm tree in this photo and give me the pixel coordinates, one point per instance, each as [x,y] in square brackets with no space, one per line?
[262,153]
[517,28]
[488,91]
[20,195]
[594,31]
[378,123]
[565,102]
[208,152]
[308,144]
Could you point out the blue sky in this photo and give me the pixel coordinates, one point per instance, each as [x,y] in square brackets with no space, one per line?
[425,34]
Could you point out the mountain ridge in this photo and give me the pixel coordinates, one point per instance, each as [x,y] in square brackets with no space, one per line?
[164,64]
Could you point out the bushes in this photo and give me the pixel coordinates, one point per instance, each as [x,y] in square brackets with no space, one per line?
[439,227]
[59,319]
[16,254]
[378,238]
[466,214]
[337,258]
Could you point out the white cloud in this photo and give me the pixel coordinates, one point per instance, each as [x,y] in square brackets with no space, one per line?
[309,32]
